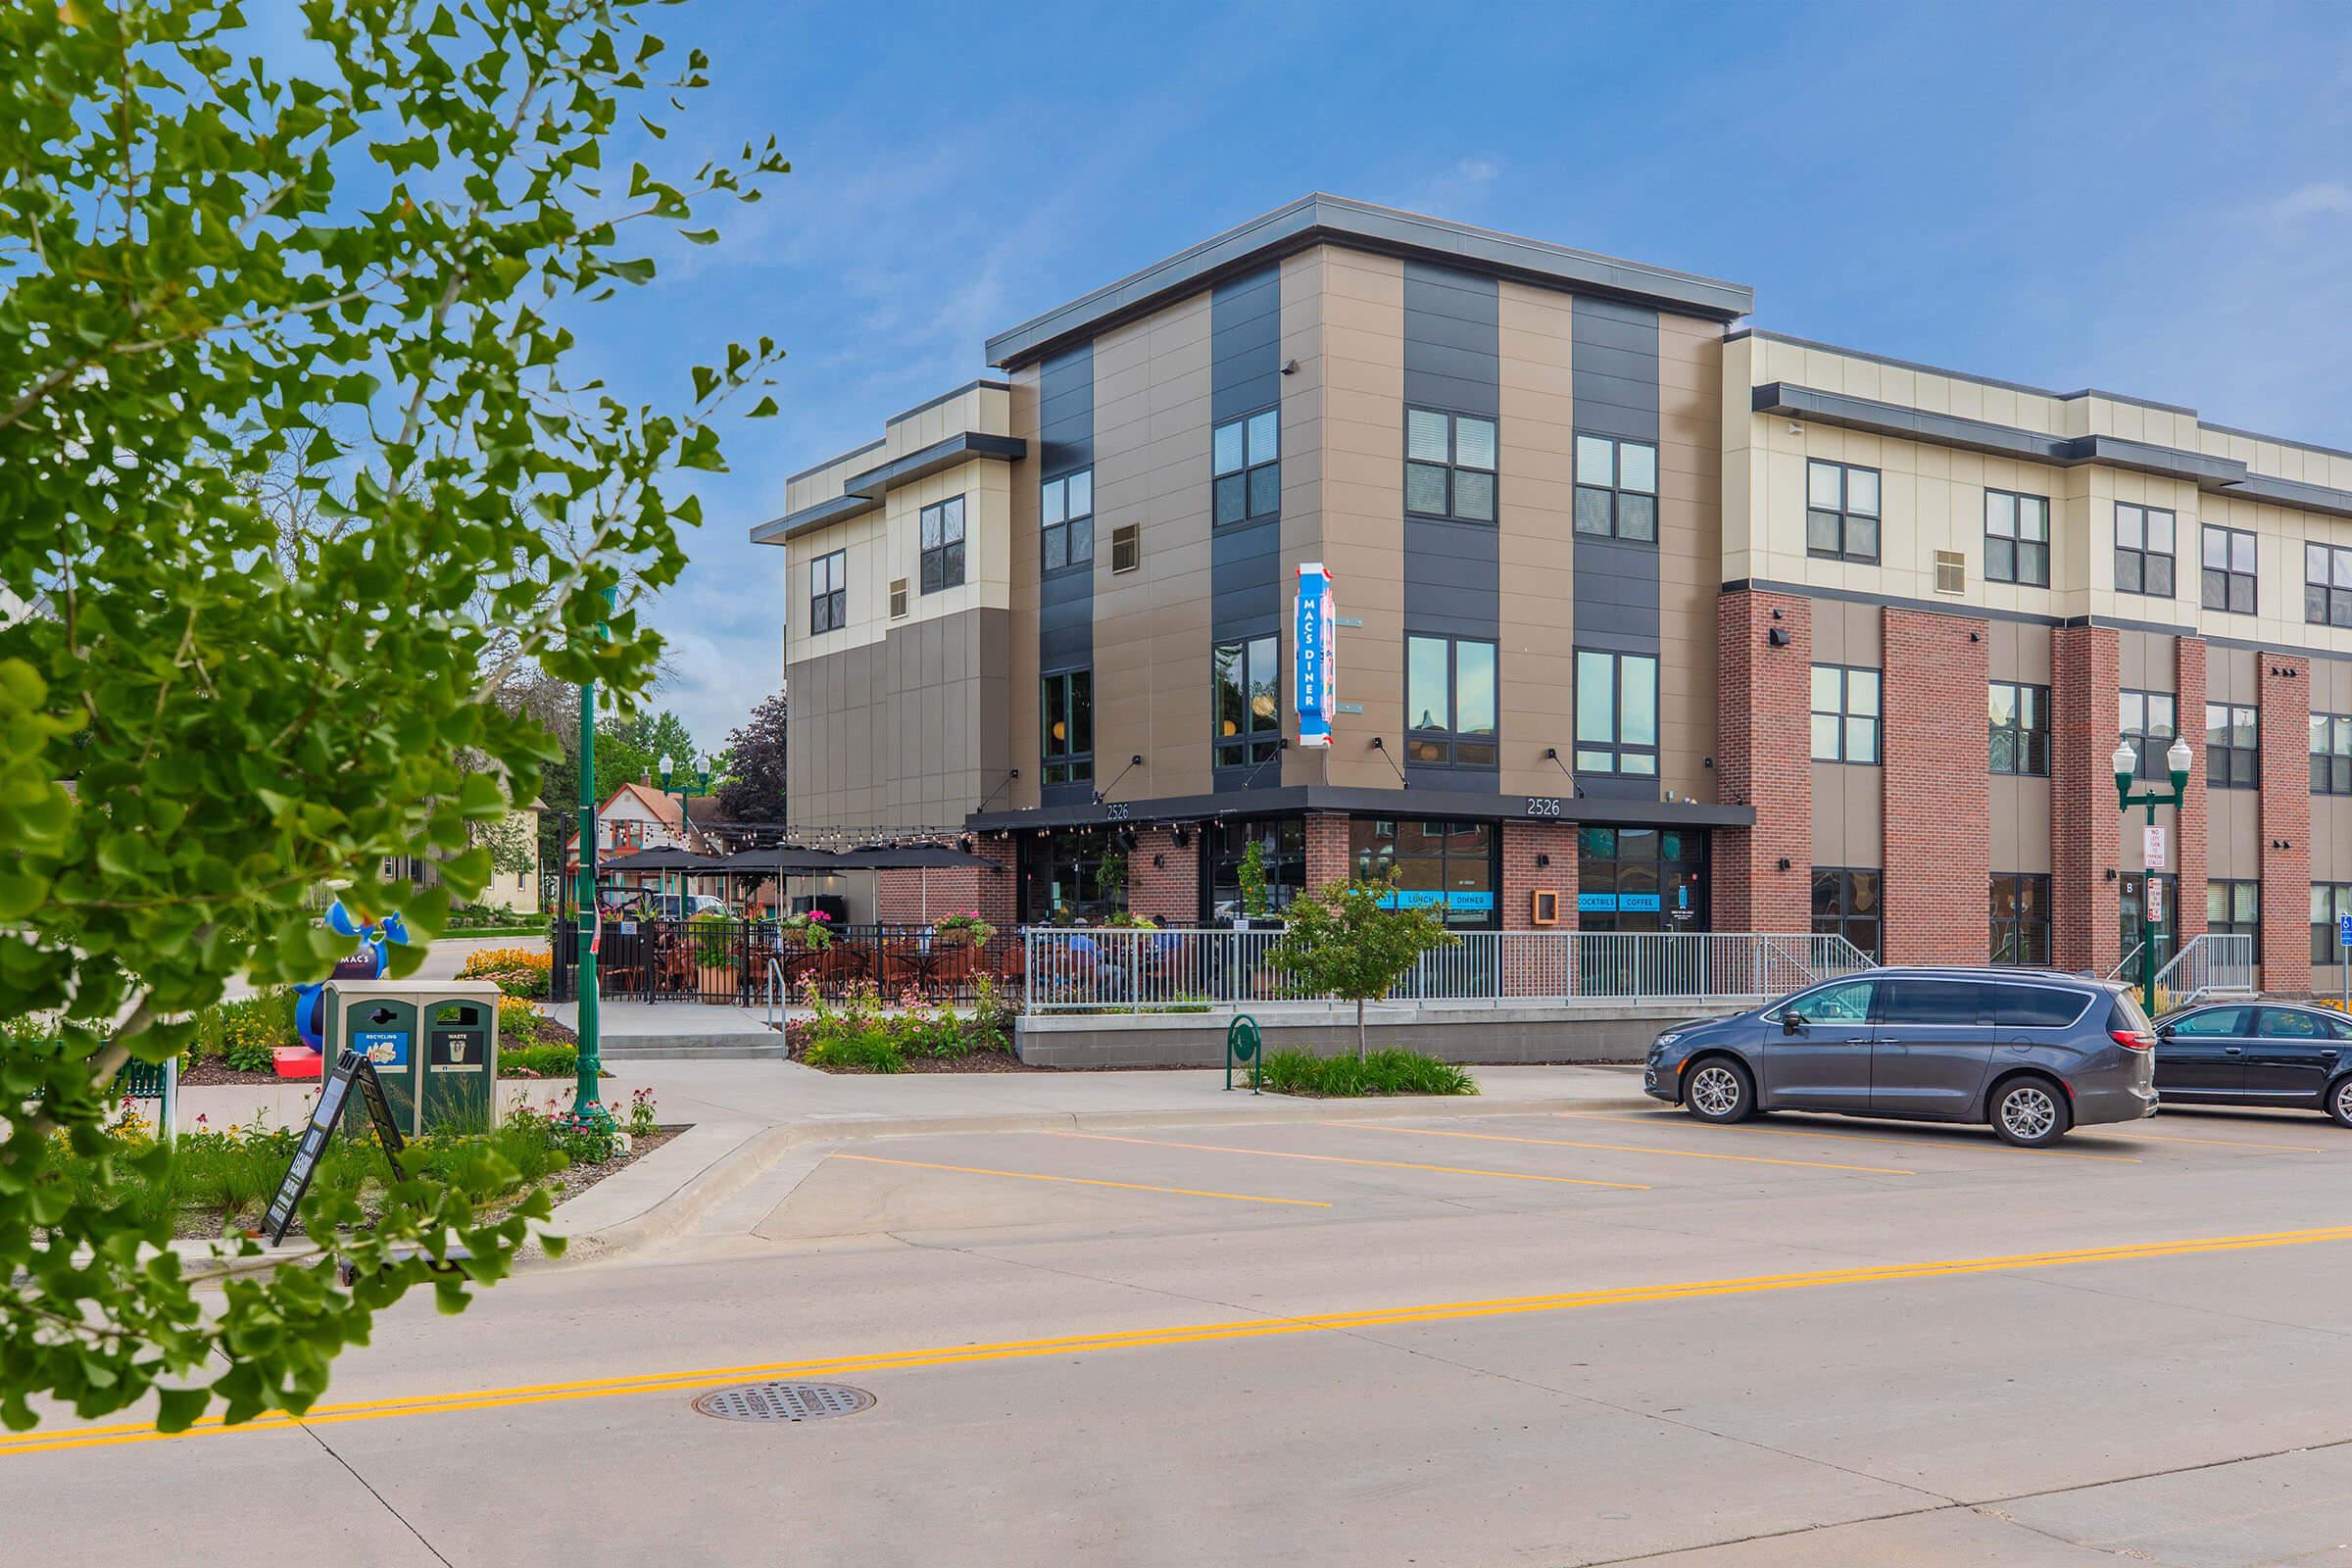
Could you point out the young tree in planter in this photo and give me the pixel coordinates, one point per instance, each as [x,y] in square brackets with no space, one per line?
[1351,941]
[353,271]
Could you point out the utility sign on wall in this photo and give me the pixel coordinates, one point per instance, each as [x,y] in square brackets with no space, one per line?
[1313,636]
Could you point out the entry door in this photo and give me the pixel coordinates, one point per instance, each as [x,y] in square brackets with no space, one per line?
[1932,1046]
[2292,1053]
[1824,1064]
[2204,1053]
[2166,929]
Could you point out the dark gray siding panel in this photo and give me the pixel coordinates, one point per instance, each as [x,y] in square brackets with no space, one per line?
[1615,361]
[1066,605]
[1245,325]
[1245,560]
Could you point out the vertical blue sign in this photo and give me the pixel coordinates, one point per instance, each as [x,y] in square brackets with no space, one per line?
[1312,637]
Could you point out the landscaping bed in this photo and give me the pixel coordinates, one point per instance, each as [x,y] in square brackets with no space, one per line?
[1380,1072]
[859,1034]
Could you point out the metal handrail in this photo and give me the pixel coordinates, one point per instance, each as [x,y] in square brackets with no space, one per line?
[2117,973]
[2209,963]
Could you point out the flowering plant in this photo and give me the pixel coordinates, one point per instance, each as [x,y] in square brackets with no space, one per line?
[812,929]
[967,926]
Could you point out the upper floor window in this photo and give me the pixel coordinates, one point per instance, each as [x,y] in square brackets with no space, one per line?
[2017,538]
[2020,728]
[2146,719]
[2229,569]
[1067,717]
[1067,514]
[942,542]
[2234,909]
[1247,701]
[1448,465]
[2327,585]
[1616,713]
[2233,747]
[1842,511]
[1246,456]
[2332,754]
[2331,902]
[1616,488]
[2144,551]
[1846,714]
[829,592]
[1449,701]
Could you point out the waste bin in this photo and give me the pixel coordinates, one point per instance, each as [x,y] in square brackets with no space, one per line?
[434,1043]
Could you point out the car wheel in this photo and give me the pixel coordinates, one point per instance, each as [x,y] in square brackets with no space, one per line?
[1719,1090]
[2339,1101]
[2029,1112]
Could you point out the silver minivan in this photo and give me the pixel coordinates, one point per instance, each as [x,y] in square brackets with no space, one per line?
[2031,1052]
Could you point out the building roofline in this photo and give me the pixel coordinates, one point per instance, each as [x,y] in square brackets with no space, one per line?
[975,384]
[1319,218]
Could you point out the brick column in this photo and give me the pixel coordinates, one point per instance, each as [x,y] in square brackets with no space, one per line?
[1170,891]
[1326,851]
[2285,726]
[997,890]
[2084,827]
[1762,751]
[1537,966]
[2190,822]
[1936,788]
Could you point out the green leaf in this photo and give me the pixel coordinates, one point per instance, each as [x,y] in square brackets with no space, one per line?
[700,236]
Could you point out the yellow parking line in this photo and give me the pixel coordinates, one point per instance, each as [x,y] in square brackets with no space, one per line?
[1344,1159]
[1620,1149]
[1179,1334]
[1082,1181]
[1654,1118]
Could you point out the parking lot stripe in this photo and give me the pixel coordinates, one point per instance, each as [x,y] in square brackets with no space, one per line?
[1082,1181]
[1655,1118]
[1621,1149]
[2217,1143]
[38,1441]
[1349,1159]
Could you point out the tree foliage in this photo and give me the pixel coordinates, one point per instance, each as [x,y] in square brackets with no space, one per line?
[348,279]
[1354,940]
[754,791]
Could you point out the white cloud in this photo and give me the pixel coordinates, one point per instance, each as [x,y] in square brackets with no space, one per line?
[2321,198]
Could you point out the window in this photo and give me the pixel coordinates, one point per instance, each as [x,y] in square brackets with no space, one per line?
[2144,551]
[829,592]
[898,598]
[1067,516]
[1951,572]
[1247,703]
[2229,569]
[2327,585]
[1842,511]
[1068,720]
[2214,1023]
[1845,904]
[2232,747]
[1444,866]
[1639,879]
[1072,873]
[1245,455]
[2234,909]
[2331,902]
[2332,754]
[2017,538]
[1616,488]
[2020,724]
[1906,999]
[1847,1002]
[2021,920]
[1846,714]
[1449,702]
[1282,852]
[941,539]
[1616,713]
[2036,1006]
[2146,720]
[1127,547]
[1448,465]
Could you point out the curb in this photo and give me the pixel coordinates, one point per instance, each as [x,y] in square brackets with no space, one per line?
[722,1175]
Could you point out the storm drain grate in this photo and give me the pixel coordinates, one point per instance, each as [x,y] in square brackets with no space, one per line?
[784,1401]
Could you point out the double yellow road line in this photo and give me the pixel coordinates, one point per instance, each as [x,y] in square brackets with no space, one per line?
[688,1381]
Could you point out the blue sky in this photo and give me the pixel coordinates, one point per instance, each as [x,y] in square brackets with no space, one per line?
[2151,199]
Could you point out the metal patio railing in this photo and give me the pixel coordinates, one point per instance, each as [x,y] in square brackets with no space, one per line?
[2210,964]
[1179,969]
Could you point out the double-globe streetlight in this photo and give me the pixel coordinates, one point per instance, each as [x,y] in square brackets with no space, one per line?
[2178,759]
[702,786]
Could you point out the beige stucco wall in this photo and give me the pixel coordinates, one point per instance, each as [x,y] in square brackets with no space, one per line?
[1690,549]
[1362,457]
[1535,546]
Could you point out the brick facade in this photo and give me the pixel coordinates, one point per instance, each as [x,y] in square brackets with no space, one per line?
[2189,831]
[1163,881]
[1936,787]
[1762,743]
[922,898]
[2086,906]
[2285,743]
[1326,851]
[1537,969]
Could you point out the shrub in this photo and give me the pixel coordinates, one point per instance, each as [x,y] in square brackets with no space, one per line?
[243,1033]
[858,1035]
[866,1049]
[969,924]
[519,1025]
[516,971]
[588,1137]
[712,935]
[1380,1072]
[811,928]
[546,1058]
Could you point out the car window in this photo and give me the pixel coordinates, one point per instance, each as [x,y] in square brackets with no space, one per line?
[2211,1023]
[1910,1000]
[2338,1028]
[2035,1007]
[1848,1002]
[2290,1023]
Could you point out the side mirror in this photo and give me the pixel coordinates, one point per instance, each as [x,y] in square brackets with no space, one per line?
[1793,1023]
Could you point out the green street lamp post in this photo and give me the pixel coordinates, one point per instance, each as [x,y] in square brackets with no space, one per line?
[2177,760]
[702,786]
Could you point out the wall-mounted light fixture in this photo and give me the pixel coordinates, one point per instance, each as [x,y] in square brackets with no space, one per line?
[1542,860]
[1159,860]
[1290,366]
[1783,862]
[1778,636]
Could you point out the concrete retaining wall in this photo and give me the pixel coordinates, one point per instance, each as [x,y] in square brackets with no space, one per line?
[1581,1033]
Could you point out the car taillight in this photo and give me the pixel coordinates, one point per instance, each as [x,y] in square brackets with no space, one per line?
[2132,1038]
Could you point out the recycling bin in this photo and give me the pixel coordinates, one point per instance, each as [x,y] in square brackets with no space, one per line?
[434,1044]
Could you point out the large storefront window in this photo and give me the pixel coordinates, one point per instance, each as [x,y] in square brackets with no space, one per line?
[1445,865]
[1072,874]
[1845,904]
[1641,879]
[1281,846]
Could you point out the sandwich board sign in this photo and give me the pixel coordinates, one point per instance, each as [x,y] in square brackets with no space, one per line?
[352,1068]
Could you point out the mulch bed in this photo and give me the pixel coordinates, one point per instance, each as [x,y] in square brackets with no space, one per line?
[212,1070]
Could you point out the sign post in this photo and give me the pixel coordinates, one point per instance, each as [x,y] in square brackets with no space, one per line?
[1314,635]
[2343,940]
